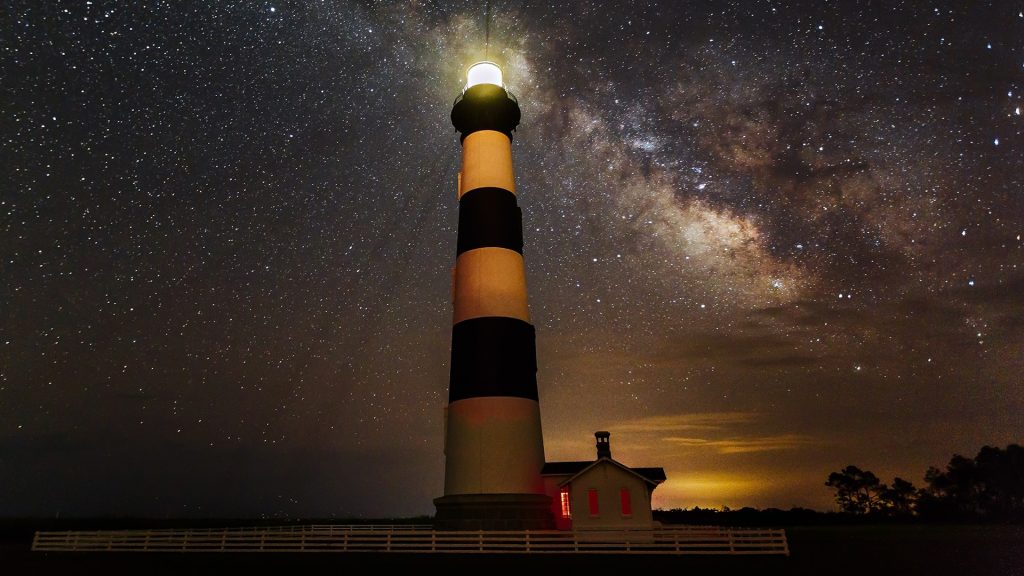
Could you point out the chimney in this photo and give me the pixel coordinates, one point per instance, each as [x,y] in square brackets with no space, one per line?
[604,449]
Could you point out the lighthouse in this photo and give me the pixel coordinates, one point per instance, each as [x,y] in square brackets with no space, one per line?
[494,449]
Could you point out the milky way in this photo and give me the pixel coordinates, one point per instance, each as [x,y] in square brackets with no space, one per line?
[764,240]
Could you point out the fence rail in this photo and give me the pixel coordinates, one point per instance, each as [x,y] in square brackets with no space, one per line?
[402,538]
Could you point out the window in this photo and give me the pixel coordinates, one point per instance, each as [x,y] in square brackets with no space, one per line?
[595,510]
[627,505]
[564,495]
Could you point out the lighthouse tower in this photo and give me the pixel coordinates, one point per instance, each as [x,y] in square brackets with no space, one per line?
[494,451]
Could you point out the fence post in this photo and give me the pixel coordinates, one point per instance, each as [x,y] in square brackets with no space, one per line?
[732,547]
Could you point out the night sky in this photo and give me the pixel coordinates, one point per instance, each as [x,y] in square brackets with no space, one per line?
[764,240]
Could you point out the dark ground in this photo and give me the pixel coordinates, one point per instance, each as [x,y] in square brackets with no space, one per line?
[818,550]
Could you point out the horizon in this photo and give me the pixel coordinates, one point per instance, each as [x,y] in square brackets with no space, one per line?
[762,243]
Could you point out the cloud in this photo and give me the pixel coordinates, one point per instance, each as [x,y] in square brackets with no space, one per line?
[784,361]
[680,422]
[757,349]
[743,445]
[1009,291]
[721,432]
[811,314]
[708,489]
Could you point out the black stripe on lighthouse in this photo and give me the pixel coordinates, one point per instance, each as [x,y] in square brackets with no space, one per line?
[490,217]
[485,107]
[493,356]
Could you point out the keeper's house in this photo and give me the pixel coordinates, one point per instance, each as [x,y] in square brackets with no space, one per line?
[601,494]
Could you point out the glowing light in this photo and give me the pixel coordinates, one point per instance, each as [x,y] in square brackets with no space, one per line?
[483,73]
[564,496]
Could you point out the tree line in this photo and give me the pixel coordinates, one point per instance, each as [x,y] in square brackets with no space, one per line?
[988,487]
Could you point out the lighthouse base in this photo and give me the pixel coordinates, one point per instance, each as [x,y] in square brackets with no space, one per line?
[493,512]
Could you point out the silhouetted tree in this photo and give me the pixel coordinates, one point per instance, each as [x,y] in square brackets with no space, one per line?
[857,491]
[989,486]
[951,494]
[900,499]
[1000,474]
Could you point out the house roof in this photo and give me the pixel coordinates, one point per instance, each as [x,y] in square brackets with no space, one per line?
[560,468]
[656,474]
[573,469]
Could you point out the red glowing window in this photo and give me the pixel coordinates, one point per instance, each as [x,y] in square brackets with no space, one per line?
[592,499]
[627,505]
[566,512]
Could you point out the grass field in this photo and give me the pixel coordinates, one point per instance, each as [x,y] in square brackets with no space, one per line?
[817,550]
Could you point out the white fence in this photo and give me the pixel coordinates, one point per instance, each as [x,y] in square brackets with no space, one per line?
[416,539]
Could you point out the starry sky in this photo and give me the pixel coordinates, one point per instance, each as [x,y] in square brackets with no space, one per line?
[764,240]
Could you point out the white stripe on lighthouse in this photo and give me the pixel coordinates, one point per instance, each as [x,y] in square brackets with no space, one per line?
[490,282]
[493,446]
[486,162]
